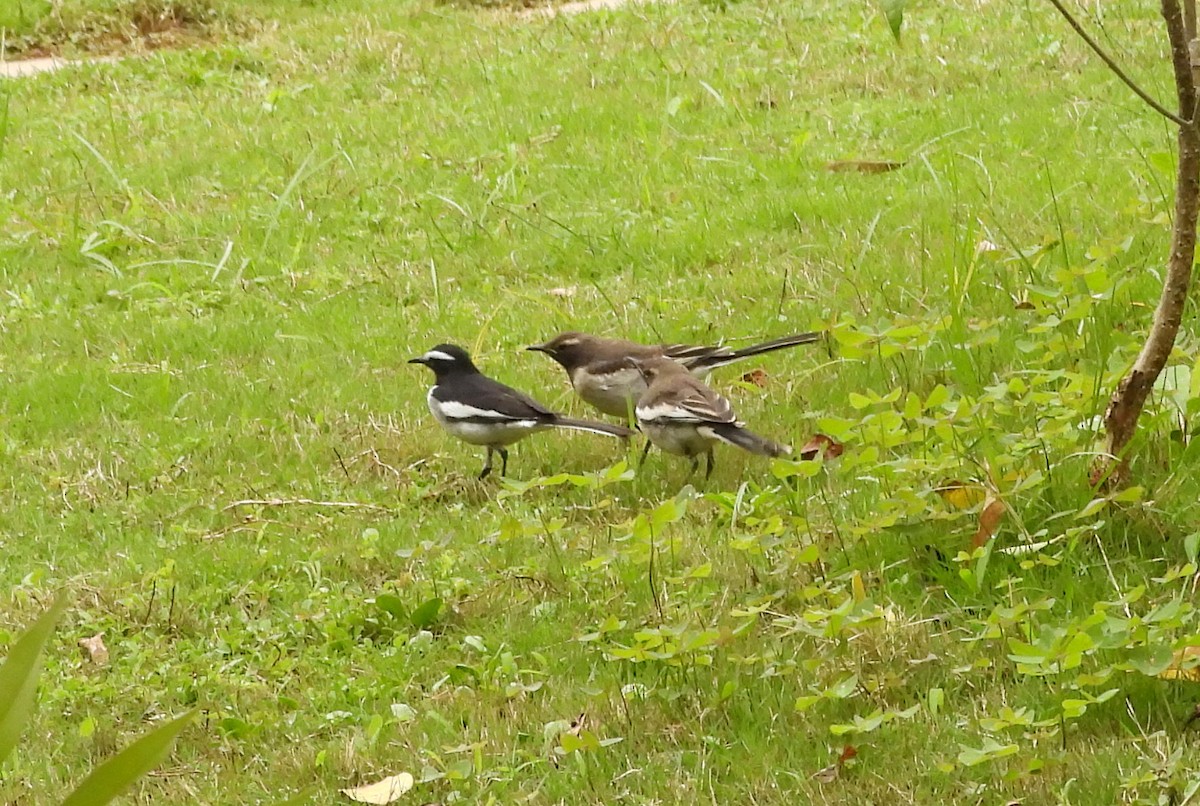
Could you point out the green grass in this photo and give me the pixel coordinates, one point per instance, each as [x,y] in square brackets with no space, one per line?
[216,261]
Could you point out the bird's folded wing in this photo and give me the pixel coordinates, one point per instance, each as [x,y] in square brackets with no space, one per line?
[689,406]
[619,369]
[686,353]
[487,400]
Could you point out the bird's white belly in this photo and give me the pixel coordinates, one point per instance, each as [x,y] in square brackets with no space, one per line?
[614,393]
[682,439]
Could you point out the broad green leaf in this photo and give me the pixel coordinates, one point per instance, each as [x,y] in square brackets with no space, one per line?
[1130,495]
[806,701]
[425,615]
[1191,544]
[937,696]
[119,773]
[937,397]
[990,751]
[1094,506]
[858,401]
[844,688]
[784,469]
[391,604]
[19,674]
[808,555]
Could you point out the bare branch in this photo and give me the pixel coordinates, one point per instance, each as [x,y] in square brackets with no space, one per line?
[1185,85]
[1116,68]
[1125,406]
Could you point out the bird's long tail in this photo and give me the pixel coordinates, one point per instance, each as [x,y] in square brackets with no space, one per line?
[719,357]
[748,440]
[594,427]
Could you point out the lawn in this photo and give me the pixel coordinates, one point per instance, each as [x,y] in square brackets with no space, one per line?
[216,261]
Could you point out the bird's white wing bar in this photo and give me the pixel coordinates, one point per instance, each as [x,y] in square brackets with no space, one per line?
[666,411]
[454,410]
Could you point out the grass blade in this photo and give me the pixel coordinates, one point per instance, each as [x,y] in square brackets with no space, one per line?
[118,773]
[893,10]
[18,677]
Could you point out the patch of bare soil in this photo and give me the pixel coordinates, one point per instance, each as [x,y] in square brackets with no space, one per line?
[134,27]
[583,6]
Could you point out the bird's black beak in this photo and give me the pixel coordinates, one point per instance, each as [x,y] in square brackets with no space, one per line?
[417,360]
[538,348]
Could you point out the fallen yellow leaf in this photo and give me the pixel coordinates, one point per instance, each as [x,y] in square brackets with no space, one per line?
[386,791]
[857,588]
[960,495]
[1176,670]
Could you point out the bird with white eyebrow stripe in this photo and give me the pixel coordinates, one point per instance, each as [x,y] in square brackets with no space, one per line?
[481,411]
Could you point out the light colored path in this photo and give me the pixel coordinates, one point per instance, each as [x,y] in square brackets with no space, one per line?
[581,6]
[32,67]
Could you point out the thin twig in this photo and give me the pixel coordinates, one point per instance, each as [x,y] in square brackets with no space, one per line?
[340,462]
[1111,576]
[1112,65]
[150,606]
[287,502]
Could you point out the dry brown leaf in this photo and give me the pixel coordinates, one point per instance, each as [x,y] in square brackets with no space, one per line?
[756,377]
[1177,670]
[820,444]
[863,166]
[989,520]
[96,651]
[388,790]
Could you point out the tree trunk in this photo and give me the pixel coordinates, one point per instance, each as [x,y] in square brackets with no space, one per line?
[1120,420]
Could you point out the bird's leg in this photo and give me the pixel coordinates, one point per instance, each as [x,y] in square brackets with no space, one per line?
[487,465]
[645,453]
[708,464]
[503,461]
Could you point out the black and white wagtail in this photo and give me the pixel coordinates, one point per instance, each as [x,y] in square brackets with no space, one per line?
[602,375]
[680,415]
[480,411]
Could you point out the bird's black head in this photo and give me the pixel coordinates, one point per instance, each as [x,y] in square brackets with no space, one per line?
[446,358]
[569,349]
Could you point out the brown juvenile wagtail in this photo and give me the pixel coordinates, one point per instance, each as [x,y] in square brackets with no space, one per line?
[681,415]
[478,410]
[601,372]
